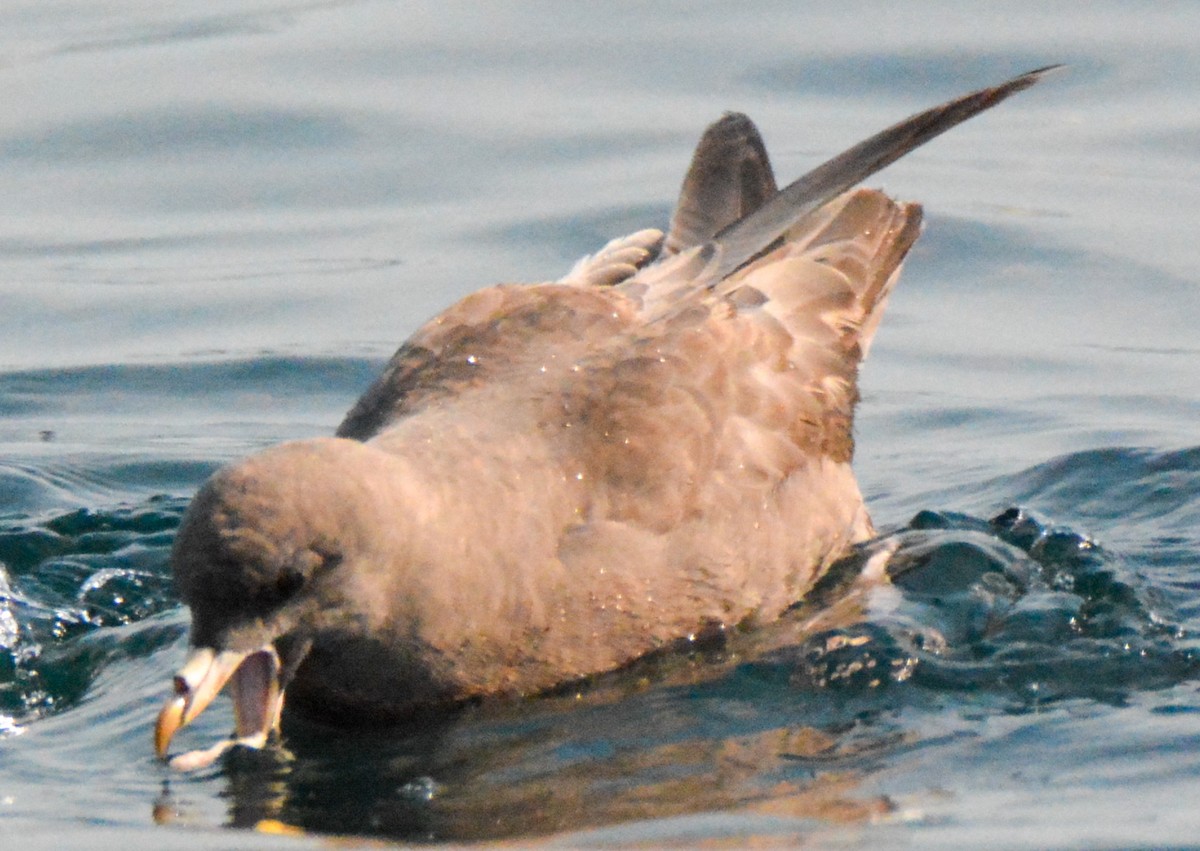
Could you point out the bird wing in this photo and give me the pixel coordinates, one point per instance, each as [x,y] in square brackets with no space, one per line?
[724,221]
[730,177]
[747,385]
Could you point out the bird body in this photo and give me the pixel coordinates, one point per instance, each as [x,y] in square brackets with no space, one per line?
[548,481]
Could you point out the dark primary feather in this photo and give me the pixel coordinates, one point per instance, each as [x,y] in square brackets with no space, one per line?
[730,177]
[728,201]
[742,240]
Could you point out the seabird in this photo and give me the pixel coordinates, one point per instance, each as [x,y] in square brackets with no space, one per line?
[548,481]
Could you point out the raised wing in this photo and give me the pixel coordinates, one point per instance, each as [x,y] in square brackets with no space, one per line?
[728,221]
[744,239]
[730,177]
[747,386]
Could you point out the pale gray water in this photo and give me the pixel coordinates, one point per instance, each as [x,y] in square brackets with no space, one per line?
[220,216]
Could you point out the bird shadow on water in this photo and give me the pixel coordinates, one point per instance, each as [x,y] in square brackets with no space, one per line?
[787,722]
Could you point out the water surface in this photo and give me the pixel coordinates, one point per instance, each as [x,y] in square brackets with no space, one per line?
[222,217]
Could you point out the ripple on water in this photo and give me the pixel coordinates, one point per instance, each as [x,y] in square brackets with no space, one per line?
[1134,483]
[982,618]
[1010,612]
[71,575]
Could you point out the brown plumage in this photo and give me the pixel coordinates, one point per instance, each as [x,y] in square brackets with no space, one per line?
[549,481]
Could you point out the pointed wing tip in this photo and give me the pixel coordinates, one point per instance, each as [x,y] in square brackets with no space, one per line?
[984,99]
[1029,78]
[1038,73]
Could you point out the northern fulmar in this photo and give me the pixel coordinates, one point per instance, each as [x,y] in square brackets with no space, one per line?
[549,481]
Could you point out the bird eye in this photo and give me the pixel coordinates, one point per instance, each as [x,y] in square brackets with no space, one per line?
[288,582]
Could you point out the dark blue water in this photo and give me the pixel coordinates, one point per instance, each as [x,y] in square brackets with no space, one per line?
[220,218]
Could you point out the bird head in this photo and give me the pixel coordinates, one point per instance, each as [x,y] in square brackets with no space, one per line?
[258,560]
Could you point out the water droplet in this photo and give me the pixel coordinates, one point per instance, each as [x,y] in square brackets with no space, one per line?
[420,788]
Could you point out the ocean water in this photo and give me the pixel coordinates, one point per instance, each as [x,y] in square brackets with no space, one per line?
[220,218]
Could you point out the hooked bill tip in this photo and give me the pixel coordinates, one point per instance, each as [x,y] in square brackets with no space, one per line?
[170,719]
